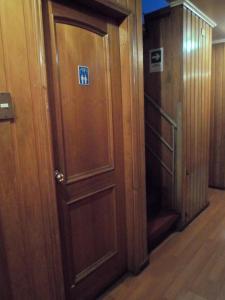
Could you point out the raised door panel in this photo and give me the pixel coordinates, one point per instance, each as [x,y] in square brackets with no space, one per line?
[93,223]
[88,146]
[86,110]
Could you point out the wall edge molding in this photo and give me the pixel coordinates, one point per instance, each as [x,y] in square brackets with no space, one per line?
[219,41]
[188,4]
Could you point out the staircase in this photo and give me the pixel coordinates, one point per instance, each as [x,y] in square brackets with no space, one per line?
[162,219]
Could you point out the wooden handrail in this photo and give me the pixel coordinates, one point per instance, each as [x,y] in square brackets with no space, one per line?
[155,132]
[160,110]
[171,172]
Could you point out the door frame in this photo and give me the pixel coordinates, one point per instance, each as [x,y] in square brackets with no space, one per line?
[131,52]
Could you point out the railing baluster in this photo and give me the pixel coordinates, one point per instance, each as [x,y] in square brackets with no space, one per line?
[160,137]
[160,110]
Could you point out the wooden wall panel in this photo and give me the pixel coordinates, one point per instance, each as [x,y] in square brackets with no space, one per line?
[217,124]
[30,258]
[163,29]
[197,76]
[131,49]
[182,92]
[25,193]
[6,155]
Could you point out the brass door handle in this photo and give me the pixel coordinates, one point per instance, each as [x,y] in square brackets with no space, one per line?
[60,178]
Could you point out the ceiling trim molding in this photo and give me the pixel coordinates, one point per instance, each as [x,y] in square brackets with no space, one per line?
[195,10]
[220,41]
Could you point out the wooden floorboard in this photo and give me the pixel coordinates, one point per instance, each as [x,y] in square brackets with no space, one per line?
[188,266]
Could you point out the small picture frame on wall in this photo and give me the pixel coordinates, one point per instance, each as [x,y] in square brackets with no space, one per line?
[156,60]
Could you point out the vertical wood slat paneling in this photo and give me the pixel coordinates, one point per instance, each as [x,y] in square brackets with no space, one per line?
[163,30]
[217,118]
[29,237]
[186,107]
[209,75]
[213,121]
[194,77]
[197,70]
[201,78]
[13,204]
[131,36]
[25,194]
[6,191]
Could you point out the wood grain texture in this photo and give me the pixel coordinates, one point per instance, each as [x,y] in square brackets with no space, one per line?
[197,79]
[163,29]
[29,226]
[182,91]
[217,138]
[131,49]
[87,129]
[187,266]
[117,9]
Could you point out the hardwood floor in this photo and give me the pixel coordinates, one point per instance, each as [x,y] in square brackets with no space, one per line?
[188,266]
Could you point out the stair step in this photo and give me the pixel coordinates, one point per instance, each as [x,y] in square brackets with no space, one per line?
[160,226]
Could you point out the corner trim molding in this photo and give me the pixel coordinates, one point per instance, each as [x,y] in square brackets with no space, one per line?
[194,9]
[220,41]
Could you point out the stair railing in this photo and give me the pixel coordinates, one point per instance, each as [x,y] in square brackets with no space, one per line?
[171,148]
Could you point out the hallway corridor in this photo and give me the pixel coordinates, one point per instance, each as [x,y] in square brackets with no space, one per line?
[188,266]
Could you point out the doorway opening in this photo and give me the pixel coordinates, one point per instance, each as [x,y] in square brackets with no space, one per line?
[159,145]
[177,75]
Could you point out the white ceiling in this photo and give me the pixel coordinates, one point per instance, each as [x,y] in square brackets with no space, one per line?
[215,9]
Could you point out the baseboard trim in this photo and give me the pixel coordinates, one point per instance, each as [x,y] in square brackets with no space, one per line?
[141,267]
[217,187]
[181,227]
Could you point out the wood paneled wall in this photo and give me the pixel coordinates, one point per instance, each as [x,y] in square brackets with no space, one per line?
[30,258]
[164,29]
[131,49]
[197,87]
[29,229]
[182,91]
[131,34]
[217,121]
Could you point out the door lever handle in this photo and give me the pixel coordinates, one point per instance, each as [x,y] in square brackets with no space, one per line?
[60,178]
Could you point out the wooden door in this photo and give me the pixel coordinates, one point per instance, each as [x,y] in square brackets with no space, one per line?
[83,63]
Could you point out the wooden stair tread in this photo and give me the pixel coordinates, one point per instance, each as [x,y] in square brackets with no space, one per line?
[161,224]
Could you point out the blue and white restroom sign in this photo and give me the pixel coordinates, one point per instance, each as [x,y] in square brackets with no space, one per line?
[83,75]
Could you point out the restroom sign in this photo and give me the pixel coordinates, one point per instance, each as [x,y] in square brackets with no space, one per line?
[83,75]
[156,60]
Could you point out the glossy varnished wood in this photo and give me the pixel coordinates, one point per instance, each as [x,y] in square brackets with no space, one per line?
[30,253]
[117,9]
[131,49]
[217,141]
[197,79]
[29,230]
[189,265]
[182,91]
[163,29]
[215,11]
[87,125]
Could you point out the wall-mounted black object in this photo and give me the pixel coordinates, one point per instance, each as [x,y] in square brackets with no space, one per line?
[6,107]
